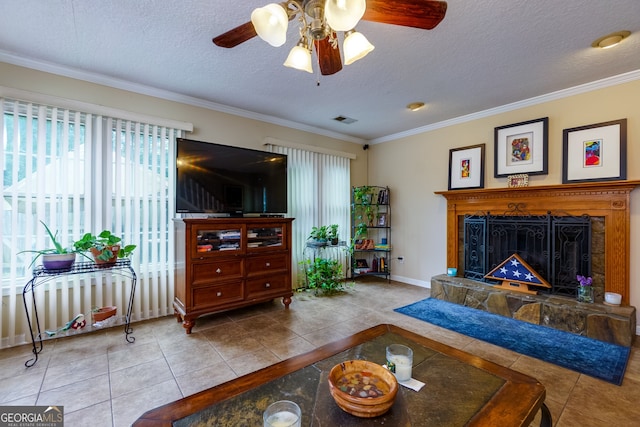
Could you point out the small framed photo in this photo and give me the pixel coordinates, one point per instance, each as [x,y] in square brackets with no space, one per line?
[466,167]
[382,220]
[519,180]
[595,152]
[521,148]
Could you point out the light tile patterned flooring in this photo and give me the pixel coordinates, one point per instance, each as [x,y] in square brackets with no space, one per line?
[103,381]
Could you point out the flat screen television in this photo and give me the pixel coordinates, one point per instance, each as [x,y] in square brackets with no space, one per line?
[221,179]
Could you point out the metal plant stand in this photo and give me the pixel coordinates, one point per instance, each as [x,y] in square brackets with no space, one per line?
[122,267]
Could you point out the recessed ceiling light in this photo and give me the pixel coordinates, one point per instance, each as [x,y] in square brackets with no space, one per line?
[344,119]
[611,40]
[415,106]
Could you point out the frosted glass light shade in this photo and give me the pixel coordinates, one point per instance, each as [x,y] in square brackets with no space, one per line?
[356,46]
[343,15]
[271,22]
[300,59]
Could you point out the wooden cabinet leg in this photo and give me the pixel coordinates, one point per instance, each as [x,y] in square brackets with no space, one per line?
[286,301]
[188,324]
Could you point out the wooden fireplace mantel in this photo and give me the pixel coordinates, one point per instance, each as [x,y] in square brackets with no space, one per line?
[609,200]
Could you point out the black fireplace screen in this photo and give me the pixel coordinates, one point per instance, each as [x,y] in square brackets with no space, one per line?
[557,247]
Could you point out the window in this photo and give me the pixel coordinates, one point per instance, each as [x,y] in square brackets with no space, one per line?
[318,194]
[80,172]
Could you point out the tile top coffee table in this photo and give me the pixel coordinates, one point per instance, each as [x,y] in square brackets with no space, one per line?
[460,389]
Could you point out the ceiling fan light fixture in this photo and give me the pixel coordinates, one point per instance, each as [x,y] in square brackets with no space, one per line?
[344,15]
[355,46]
[610,40]
[270,23]
[299,58]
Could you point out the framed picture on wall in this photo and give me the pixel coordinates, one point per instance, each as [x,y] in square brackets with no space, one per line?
[595,152]
[466,167]
[521,148]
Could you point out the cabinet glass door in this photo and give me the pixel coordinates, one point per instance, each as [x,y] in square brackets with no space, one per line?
[214,241]
[264,237]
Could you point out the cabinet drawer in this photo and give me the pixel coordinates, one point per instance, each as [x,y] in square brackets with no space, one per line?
[217,295]
[266,264]
[203,274]
[267,285]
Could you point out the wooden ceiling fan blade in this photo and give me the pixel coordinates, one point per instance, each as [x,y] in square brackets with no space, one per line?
[234,37]
[328,58]
[424,14]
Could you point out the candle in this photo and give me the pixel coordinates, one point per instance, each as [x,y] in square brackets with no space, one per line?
[282,419]
[403,367]
[283,413]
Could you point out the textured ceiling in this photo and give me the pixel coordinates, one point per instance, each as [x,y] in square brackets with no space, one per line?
[483,55]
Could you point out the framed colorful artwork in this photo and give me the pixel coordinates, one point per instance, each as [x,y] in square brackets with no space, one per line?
[595,152]
[466,167]
[521,148]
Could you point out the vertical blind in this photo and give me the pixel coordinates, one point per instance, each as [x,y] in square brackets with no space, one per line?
[79,172]
[318,194]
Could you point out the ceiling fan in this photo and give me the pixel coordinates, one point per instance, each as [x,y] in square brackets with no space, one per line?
[321,20]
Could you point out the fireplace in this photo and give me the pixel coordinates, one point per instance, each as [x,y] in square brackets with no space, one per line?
[606,202]
[557,246]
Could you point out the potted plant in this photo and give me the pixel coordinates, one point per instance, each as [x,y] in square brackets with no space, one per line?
[106,247]
[318,236]
[101,313]
[332,234]
[324,275]
[57,258]
[362,195]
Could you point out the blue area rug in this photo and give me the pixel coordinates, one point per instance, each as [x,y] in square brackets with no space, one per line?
[585,355]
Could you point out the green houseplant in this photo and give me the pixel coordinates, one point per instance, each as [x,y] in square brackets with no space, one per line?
[324,275]
[318,236]
[56,258]
[332,234]
[105,247]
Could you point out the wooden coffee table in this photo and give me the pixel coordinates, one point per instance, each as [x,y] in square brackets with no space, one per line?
[460,389]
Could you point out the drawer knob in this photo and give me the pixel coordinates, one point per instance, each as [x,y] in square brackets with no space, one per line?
[267,285]
[218,271]
[219,294]
[268,264]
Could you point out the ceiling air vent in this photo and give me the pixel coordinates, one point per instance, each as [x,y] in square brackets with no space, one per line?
[345,120]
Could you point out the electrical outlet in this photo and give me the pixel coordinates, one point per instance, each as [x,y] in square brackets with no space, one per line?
[401,259]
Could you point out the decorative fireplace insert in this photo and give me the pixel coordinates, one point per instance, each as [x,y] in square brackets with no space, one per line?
[556,245]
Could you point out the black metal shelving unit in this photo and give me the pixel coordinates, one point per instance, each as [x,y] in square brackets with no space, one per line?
[371,232]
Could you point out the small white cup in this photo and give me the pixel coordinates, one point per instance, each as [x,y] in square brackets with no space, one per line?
[282,413]
[612,298]
[400,361]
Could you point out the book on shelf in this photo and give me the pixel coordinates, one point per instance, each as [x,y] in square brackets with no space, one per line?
[383,197]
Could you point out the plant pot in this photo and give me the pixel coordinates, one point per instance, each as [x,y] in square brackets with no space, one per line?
[58,262]
[104,313]
[96,253]
[585,294]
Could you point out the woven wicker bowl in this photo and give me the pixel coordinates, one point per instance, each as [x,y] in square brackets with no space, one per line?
[364,407]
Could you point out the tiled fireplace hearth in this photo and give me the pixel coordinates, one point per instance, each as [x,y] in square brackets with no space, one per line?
[616,325]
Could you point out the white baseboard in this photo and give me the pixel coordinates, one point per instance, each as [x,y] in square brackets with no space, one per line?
[410,281]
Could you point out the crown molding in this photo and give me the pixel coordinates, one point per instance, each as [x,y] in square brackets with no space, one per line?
[564,93]
[115,83]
